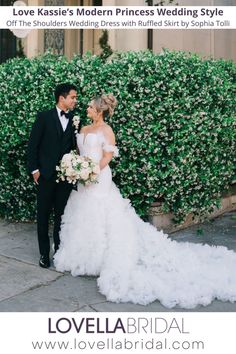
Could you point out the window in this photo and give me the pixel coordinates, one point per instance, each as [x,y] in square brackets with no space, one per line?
[7,39]
[97,2]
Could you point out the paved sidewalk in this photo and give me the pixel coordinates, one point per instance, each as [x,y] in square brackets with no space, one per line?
[27,287]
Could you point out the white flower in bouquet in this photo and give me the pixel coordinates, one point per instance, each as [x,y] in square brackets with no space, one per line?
[66,161]
[74,168]
[66,158]
[80,158]
[93,177]
[96,169]
[70,172]
[84,174]
[85,164]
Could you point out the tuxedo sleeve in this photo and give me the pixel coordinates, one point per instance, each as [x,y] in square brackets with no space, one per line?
[34,143]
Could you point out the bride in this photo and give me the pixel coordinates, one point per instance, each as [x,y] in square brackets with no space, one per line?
[102,235]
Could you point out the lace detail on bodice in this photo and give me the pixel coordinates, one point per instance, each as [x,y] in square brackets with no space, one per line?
[93,145]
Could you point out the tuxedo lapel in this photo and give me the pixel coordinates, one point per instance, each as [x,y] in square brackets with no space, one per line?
[57,122]
[69,125]
[72,129]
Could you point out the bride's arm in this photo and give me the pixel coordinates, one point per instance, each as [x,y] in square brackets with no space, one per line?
[82,130]
[109,147]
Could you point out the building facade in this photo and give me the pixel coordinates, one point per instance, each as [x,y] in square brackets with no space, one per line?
[208,43]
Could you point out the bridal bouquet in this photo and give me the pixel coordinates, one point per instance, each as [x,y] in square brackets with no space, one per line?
[74,168]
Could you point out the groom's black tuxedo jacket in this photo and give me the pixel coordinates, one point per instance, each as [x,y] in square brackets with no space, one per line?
[48,142]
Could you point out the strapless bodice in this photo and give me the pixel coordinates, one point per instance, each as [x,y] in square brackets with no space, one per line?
[93,145]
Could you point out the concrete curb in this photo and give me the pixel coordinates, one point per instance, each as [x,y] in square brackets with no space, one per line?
[163,221]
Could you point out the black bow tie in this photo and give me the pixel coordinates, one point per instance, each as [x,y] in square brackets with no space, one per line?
[67,115]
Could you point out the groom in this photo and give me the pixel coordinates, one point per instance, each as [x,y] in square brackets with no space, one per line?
[51,137]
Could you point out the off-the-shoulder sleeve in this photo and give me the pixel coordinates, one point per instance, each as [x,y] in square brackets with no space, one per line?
[110,148]
[108,145]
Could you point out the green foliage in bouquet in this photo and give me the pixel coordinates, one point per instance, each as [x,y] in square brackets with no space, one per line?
[174,123]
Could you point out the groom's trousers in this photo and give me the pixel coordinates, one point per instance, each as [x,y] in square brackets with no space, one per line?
[50,196]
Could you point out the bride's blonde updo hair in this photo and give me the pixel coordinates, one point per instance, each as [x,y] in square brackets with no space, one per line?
[105,104]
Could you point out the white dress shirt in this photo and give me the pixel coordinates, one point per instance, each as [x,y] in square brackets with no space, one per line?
[63,119]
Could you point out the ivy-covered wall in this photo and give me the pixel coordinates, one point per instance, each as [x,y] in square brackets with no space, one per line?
[175,125]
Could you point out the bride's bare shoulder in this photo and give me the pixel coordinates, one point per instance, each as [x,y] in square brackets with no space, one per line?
[107,129]
[84,129]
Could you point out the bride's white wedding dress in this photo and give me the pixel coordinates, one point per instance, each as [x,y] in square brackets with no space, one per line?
[102,235]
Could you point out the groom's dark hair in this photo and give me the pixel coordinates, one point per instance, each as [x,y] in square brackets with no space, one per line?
[63,90]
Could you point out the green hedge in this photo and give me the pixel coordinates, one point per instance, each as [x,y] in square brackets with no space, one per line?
[175,125]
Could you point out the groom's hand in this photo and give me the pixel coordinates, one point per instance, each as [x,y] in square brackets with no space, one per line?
[36,177]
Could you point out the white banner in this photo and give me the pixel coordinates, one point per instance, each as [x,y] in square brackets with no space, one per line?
[117,17]
[169,332]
